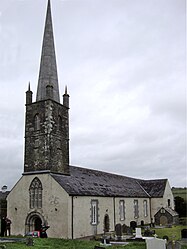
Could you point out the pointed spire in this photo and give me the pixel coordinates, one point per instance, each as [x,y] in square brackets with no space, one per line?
[66,98]
[48,68]
[29,95]
[29,87]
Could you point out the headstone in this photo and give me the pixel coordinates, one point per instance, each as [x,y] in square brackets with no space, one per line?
[147,232]
[105,240]
[124,228]
[173,245]
[142,223]
[133,224]
[184,233]
[129,231]
[29,241]
[170,245]
[118,230]
[155,243]
[138,233]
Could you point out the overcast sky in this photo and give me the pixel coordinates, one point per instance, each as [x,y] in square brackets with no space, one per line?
[124,64]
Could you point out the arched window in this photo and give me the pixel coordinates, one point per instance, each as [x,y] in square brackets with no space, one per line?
[35,192]
[36,122]
[59,123]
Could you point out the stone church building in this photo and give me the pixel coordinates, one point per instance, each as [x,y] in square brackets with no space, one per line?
[75,202]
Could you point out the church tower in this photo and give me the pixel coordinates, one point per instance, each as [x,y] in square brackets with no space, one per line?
[47,120]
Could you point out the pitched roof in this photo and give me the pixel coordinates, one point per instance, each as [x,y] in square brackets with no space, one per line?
[88,182]
[155,188]
[169,210]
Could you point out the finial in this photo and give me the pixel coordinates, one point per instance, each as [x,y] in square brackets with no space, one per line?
[66,98]
[29,95]
[29,87]
[66,90]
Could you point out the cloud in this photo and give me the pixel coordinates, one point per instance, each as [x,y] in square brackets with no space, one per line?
[124,64]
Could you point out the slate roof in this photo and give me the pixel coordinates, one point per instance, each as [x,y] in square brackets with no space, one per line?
[88,182]
[169,210]
[155,188]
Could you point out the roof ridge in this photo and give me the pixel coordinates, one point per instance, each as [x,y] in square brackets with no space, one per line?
[109,173]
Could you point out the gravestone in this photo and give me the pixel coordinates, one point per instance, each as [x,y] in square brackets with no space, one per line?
[155,243]
[118,230]
[147,232]
[177,245]
[133,224]
[129,231]
[105,240]
[124,228]
[138,233]
[184,233]
[29,241]
[173,245]
[142,223]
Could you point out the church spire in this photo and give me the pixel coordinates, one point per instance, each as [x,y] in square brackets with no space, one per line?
[48,78]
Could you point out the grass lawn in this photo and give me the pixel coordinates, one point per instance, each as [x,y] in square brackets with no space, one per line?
[67,244]
[173,233]
[49,243]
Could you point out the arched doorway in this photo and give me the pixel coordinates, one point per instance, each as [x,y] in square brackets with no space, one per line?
[106,223]
[163,220]
[33,222]
[37,224]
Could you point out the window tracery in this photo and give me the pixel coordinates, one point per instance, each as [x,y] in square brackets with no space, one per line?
[35,192]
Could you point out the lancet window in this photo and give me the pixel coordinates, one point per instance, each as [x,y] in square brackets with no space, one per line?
[35,192]
[36,122]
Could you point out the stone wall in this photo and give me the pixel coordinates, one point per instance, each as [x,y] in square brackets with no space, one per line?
[46,137]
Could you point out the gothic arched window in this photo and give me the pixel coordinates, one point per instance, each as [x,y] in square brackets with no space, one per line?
[35,192]
[36,122]
[59,123]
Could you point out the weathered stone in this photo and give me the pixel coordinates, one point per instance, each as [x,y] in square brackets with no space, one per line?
[47,137]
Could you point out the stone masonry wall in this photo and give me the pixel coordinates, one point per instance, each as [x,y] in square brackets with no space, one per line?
[46,137]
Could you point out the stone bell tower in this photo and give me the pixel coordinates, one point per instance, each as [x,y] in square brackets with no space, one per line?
[47,120]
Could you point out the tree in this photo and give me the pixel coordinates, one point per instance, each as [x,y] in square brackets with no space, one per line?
[180,206]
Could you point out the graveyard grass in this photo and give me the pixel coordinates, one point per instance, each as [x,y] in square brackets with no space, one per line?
[173,233]
[69,244]
[66,244]
[49,243]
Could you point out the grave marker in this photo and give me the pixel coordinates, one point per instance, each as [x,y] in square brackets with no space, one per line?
[155,243]
[118,230]
[138,233]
